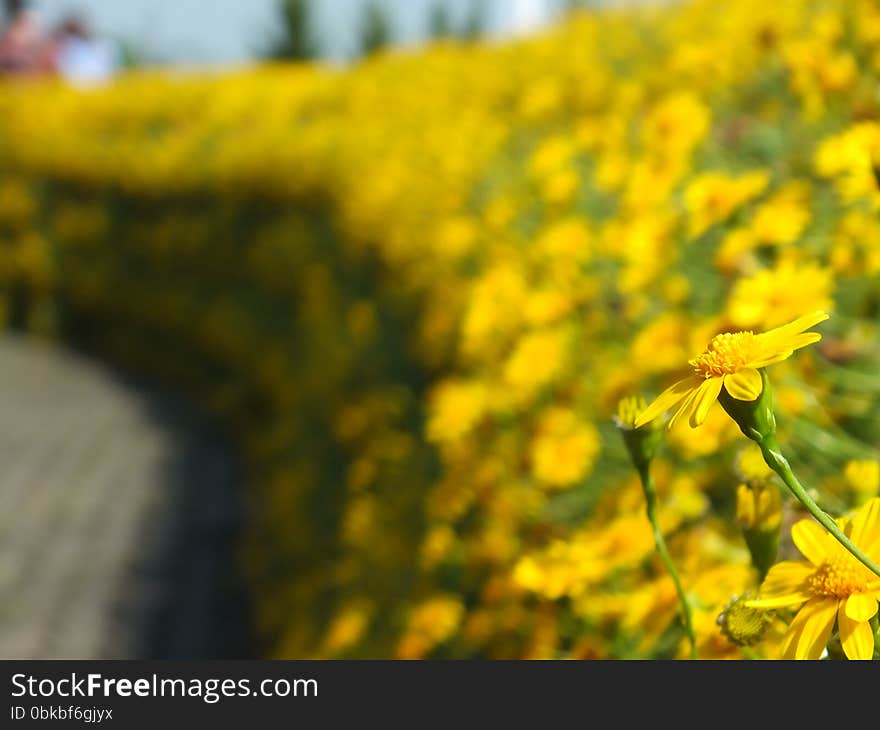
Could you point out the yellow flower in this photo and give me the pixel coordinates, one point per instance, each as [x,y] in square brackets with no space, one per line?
[347,628]
[863,477]
[773,296]
[832,584]
[564,450]
[456,408]
[731,362]
[430,623]
[536,361]
[783,218]
[751,467]
[712,197]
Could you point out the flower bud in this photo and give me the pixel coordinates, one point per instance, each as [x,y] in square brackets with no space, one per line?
[759,513]
[758,508]
[744,626]
[642,443]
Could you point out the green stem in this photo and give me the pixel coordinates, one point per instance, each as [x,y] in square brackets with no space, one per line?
[778,463]
[651,509]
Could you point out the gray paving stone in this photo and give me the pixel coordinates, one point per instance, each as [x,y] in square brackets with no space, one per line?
[96,477]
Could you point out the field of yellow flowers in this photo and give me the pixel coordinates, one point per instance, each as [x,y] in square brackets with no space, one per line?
[418,288]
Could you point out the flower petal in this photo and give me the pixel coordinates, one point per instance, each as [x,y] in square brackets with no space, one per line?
[799,325]
[685,409]
[856,636]
[787,600]
[812,540]
[778,344]
[819,615]
[801,340]
[771,358]
[866,525]
[744,384]
[785,585]
[667,399]
[706,396]
[789,641]
[861,606]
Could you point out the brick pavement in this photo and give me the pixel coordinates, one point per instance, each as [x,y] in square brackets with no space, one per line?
[118,510]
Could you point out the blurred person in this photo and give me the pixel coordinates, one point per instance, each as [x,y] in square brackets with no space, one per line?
[24,50]
[80,57]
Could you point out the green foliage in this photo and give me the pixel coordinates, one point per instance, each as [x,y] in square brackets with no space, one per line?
[298,42]
[475,24]
[442,25]
[439,22]
[375,29]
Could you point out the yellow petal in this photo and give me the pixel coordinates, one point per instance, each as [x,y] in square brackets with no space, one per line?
[787,600]
[667,399]
[818,622]
[789,647]
[779,343]
[812,540]
[794,328]
[773,351]
[785,585]
[801,340]
[856,637]
[861,606]
[789,642]
[685,409]
[744,384]
[706,396]
[770,358]
[866,524]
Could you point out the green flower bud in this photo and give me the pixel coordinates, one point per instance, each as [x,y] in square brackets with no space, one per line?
[642,443]
[744,626]
[759,513]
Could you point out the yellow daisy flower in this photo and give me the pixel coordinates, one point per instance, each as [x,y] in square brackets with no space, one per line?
[732,362]
[833,584]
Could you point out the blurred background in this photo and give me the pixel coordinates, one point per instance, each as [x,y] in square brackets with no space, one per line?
[235,32]
[315,316]
[124,514]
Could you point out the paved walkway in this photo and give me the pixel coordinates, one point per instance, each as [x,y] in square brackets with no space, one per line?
[118,510]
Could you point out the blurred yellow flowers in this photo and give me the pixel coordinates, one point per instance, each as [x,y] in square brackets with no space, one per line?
[832,584]
[418,288]
[731,361]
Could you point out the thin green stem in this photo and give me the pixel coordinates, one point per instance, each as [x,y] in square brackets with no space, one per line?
[651,509]
[778,463]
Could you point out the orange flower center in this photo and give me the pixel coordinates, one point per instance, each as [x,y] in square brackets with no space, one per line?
[840,577]
[726,354]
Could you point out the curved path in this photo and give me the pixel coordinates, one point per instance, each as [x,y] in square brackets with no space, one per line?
[118,512]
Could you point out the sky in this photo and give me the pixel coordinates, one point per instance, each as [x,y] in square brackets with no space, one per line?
[196,32]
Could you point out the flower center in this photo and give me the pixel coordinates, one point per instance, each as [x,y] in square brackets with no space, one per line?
[839,577]
[726,354]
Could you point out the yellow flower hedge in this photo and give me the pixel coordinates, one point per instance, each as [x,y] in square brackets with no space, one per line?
[417,288]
